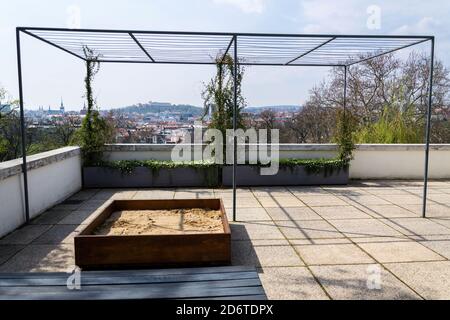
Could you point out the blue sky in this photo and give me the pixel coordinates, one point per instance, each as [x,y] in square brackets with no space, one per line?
[50,74]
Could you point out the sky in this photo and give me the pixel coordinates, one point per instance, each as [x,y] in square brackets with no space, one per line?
[50,75]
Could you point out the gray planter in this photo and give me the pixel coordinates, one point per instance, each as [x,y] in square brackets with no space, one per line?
[248,175]
[102,177]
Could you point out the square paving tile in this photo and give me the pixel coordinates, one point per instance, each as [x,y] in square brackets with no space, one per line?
[418,226]
[25,235]
[308,229]
[246,253]
[51,216]
[430,279]
[389,211]
[363,228]
[242,202]
[402,199]
[154,194]
[332,254]
[315,201]
[360,282]
[113,194]
[308,191]
[402,251]
[286,201]
[292,213]
[193,193]
[8,250]
[440,246]
[41,258]
[269,191]
[433,210]
[368,200]
[248,214]
[59,234]
[79,217]
[84,194]
[340,212]
[386,191]
[291,283]
[255,230]
[440,198]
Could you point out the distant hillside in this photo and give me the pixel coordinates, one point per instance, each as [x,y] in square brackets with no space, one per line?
[280,108]
[160,107]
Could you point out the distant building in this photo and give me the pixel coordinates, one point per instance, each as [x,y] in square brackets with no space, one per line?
[61,107]
[84,110]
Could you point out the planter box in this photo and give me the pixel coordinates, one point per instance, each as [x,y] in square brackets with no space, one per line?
[248,175]
[103,177]
[128,251]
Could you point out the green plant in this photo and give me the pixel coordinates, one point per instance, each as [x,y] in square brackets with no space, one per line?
[218,96]
[95,131]
[393,126]
[345,128]
[127,166]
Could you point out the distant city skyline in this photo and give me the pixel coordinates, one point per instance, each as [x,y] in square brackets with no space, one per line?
[50,74]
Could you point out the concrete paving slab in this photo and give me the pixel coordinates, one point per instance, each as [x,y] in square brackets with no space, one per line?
[255,230]
[51,216]
[41,258]
[245,253]
[9,250]
[389,211]
[308,229]
[340,212]
[291,283]
[360,282]
[440,246]
[63,234]
[417,226]
[402,251]
[292,213]
[314,201]
[363,228]
[430,279]
[324,254]
[286,201]
[25,235]
[248,214]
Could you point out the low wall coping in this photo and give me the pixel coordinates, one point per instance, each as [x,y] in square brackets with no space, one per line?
[14,167]
[142,147]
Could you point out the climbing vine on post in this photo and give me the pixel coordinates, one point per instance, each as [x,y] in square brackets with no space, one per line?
[95,131]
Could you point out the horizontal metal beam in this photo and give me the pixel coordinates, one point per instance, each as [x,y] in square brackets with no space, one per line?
[245,34]
[213,63]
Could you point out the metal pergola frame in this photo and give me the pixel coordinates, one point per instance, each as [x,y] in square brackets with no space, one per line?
[202,48]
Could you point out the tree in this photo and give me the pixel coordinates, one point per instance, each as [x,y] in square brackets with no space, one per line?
[385,92]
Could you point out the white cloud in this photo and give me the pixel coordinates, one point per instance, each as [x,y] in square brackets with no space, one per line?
[247,6]
[423,26]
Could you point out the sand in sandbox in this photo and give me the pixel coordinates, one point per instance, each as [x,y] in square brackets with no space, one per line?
[176,221]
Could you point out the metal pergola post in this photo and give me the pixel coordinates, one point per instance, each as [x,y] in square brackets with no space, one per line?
[22,130]
[345,90]
[235,69]
[428,128]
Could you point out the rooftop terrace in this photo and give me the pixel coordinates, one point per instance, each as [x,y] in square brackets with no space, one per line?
[307,242]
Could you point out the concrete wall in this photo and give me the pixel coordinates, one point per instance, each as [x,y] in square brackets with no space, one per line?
[52,177]
[371,161]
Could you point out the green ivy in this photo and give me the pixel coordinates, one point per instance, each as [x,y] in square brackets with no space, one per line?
[127,166]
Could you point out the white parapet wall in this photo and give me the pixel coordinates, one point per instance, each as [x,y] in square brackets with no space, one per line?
[371,161]
[53,176]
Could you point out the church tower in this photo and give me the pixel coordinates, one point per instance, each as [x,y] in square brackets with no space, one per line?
[61,108]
